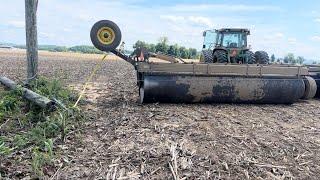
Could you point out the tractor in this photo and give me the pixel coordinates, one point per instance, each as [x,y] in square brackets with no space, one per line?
[230,46]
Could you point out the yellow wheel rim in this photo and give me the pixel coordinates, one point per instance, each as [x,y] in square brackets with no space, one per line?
[106,35]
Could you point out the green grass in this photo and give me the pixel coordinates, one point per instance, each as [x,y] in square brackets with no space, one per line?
[26,127]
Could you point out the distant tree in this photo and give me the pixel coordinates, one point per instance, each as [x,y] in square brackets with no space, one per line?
[289,59]
[140,44]
[176,50]
[279,60]
[151,48]
[273,58]
[162,45]
[192,53]
[171,50]
[85,49]
[163,40]
[314,62]
[60,49]
[183,52]
[300,60]
[20,46]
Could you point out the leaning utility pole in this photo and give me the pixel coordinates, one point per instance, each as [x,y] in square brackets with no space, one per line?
[31,38]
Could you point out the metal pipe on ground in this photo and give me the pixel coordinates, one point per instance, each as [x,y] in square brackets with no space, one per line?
[39,100]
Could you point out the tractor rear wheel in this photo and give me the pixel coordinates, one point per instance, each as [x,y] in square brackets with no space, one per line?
[105,35]
[262,57]
[251,59]
[206,56]
[220,56]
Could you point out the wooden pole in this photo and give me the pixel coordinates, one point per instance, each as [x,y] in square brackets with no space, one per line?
[31,38]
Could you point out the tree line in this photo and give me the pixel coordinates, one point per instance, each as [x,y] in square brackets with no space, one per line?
[53,48]
[164,47]
[290,58]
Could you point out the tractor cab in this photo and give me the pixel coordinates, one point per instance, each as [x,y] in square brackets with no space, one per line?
[226,38]
[229,45]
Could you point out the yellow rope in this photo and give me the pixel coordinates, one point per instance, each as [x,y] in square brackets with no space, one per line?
[89,79]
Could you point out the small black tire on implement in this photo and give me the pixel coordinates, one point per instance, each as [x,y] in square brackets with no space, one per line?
[105,35]
[310,88]
[220,56]
[262,57]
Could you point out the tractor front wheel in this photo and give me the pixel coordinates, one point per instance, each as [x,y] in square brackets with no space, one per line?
[220,56]
[206,56]
[251,59]
[262,57]
[105,35]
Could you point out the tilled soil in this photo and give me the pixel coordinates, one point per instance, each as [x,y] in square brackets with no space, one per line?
[126,140]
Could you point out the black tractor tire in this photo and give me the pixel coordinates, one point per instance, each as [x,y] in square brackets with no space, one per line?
[220,56]
[310,88]
[114,33]
[262,57]
[251,58]
[206,56]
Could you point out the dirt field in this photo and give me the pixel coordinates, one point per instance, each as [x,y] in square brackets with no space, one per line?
[126,140]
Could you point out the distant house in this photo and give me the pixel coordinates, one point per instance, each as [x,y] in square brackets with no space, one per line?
[5,47]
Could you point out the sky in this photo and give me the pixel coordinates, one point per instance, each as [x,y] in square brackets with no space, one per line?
[277,26]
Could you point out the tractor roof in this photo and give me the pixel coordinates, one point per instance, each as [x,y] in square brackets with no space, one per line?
[233,30]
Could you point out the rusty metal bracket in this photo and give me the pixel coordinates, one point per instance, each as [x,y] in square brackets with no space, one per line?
[124,57]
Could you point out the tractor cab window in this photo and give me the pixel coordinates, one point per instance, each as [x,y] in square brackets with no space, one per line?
[234,40]
[209,39]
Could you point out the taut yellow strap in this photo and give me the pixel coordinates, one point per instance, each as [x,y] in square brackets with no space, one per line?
[89,78]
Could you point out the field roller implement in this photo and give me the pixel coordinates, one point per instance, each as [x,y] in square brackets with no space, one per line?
[182,82]
[314,72]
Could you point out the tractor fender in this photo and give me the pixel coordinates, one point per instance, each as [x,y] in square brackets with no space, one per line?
[220,48]
[246,49]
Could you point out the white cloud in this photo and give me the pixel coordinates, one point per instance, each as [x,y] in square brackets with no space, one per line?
[270,37]
[279,35]
[292,40]
[46,35]
[315,38]
[224,7]
[67,30]
[191,20]
[86,17]
[172,18]
[317,20]
[17,23]
[202,21]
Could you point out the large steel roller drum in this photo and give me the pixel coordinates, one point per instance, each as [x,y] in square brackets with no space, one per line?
[208,89]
